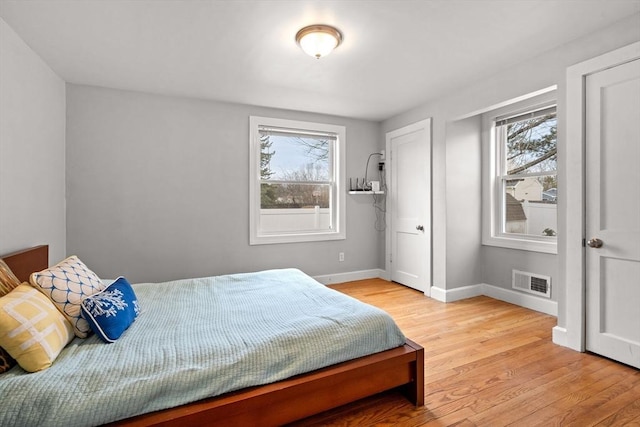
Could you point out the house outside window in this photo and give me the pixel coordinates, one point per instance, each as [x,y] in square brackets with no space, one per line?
[297,175]
[521,178]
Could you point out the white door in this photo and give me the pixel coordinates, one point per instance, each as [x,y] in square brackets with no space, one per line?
[409,256]
[613,213]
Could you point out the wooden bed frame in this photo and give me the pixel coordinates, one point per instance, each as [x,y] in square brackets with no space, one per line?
[284,401]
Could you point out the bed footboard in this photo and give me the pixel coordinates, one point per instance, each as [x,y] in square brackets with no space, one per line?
[304,395]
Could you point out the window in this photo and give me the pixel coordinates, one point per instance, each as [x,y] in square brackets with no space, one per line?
[522,183]
[297,175]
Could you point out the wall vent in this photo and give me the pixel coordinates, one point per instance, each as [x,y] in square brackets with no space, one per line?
[532,283]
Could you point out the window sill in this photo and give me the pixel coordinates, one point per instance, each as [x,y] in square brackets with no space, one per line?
[295,238]
[523,244]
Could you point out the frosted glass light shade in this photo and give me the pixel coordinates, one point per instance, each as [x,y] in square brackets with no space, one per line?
[318,40]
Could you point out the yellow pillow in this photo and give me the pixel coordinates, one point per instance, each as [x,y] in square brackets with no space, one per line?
[8,280]
[32,330]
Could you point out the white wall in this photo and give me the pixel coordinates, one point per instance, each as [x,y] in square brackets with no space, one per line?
[464,201]
[32,144]
[538,73]
[157,189]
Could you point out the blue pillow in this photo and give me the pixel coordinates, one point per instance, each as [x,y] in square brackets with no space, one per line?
[110,312]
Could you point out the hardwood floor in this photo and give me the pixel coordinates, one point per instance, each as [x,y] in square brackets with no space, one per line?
[490,363]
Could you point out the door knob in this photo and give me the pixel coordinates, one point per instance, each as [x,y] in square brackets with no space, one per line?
[419,228]
[595,243]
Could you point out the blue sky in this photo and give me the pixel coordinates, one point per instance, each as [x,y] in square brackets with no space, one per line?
[289,155]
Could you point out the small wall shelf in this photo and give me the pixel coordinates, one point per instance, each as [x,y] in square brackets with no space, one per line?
[366,192]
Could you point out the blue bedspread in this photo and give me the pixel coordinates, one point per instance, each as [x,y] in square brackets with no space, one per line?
[194,339]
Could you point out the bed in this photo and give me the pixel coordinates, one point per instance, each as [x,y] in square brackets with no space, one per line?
[300,390]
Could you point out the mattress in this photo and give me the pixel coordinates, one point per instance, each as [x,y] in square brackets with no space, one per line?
[198,338]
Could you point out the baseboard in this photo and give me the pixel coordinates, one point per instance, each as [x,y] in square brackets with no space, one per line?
[331,279]
[456,294]
[559,336]
[524,300]
[532,302]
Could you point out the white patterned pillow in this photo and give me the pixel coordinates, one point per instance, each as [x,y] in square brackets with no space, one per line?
[67,284]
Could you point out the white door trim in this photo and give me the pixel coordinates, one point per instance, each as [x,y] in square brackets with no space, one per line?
[426,125]
[572,249]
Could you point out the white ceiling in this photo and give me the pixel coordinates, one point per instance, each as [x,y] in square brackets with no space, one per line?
[395,54]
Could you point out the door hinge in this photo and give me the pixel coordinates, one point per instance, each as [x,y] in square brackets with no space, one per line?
[584,242]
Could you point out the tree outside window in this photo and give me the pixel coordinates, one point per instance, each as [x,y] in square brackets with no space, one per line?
[527,173]
[295,171]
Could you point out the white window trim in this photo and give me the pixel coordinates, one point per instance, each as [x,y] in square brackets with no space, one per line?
[339,233]
[491,228]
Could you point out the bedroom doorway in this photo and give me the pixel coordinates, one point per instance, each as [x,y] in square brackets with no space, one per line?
[408,236]
[613,212]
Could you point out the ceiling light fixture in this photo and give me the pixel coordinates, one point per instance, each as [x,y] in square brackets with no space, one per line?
[318,40]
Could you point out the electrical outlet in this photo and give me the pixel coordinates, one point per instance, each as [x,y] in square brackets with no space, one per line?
[341,256]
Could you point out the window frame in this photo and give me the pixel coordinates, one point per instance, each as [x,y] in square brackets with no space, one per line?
[493,177]
[338,205]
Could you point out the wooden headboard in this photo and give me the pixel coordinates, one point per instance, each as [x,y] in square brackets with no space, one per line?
[26,261]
